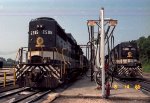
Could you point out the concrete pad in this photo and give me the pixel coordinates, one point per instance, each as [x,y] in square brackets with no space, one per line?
[86,88]
[83,87]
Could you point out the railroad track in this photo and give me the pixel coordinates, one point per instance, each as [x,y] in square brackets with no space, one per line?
[22,95]
[142,82]
[29,95]
[145,85]
[8,88]
[12,92]
[8,83]
[39,96]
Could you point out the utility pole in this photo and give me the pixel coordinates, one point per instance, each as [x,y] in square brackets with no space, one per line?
[102,51]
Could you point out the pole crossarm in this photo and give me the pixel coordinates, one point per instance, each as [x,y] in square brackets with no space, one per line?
[111,22]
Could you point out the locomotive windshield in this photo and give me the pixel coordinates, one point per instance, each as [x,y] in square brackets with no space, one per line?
[129,48]
[125,48]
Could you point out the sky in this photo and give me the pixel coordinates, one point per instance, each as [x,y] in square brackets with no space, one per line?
[133,19]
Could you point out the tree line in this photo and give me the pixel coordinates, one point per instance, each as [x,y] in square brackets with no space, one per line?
[7,62]
[144,49]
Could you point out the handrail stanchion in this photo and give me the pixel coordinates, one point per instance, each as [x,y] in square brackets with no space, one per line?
[4,85]
[14,77]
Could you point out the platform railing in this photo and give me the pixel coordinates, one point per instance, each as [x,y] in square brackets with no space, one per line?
[6,80]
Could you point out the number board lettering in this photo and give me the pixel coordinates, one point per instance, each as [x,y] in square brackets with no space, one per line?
[35,32]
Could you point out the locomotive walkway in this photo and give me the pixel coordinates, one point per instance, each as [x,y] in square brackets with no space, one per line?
[84,91]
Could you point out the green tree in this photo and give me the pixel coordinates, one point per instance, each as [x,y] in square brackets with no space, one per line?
[3,60]
[144,47]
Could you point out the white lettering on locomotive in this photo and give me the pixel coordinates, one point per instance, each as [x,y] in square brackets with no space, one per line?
[35,32]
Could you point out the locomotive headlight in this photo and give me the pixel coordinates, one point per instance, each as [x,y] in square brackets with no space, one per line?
[37,26]
[40,26]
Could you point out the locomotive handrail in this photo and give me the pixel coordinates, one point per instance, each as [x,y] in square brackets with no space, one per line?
[60,64]
[63,71]
[19,55]
[64,60]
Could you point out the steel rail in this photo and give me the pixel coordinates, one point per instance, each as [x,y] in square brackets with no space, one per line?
[39,97]
[24,97]
[9,88]
[9,94]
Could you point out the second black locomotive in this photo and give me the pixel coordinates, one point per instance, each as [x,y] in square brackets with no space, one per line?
[125,60]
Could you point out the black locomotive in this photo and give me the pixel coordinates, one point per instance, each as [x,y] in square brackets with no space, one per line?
[125,60]
[53,56]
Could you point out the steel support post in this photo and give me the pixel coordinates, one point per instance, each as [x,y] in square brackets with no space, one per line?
[102,51]
[92,52]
